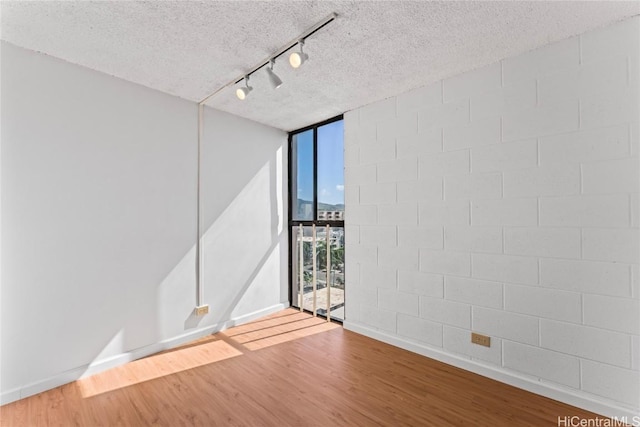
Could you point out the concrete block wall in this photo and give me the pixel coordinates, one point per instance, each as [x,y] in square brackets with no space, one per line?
[505,201]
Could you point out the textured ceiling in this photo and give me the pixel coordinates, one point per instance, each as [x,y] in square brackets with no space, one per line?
[372,51]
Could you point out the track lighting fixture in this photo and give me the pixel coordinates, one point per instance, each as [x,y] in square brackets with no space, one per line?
[273,78]
[243,92]
[296,59]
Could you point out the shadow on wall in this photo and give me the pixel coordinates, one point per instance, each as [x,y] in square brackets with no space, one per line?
[98,219]
[244,245]
[244,248]
[96,210]
[243,251]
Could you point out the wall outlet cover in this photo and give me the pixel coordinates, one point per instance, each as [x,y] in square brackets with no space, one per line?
[480,339]
[201,310]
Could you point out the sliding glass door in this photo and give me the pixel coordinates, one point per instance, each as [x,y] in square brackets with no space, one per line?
[316,218]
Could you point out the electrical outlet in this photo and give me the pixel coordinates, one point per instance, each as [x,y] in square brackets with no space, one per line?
[480,339]
[202,310]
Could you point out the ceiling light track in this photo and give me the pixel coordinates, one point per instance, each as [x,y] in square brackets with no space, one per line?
[269,61]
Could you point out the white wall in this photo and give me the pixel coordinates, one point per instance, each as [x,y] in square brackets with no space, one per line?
[99,216]
[505,201]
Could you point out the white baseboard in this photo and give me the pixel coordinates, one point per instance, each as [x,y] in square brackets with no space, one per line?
[10,396]
[120,359]
[565,395]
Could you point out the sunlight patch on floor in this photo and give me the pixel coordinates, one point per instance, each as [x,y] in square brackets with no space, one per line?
[278,329]
[292,335]
[159,365]
[287,325]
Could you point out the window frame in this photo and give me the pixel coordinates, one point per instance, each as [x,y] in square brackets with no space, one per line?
[294,222]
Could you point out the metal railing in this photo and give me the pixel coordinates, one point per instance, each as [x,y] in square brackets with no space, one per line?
[320,248]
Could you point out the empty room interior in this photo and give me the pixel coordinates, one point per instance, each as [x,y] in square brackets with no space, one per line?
[319,213]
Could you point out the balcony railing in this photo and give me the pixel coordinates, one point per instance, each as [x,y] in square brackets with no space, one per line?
[318,273]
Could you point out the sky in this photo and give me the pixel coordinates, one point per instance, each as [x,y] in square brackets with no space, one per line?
[330,164]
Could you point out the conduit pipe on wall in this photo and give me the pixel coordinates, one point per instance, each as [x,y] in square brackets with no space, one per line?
[199,257]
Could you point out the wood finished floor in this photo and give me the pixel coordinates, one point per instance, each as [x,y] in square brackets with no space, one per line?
[288,369]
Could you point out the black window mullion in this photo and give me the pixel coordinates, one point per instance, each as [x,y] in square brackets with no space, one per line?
[293,194]
[315,174]
[290,217]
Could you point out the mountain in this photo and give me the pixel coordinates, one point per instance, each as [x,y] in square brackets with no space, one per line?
[321,206]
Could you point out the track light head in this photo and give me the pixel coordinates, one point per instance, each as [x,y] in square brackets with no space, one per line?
[243,92]
[296,59]
[273,78]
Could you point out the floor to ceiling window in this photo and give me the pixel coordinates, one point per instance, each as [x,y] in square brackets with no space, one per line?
[316,218]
